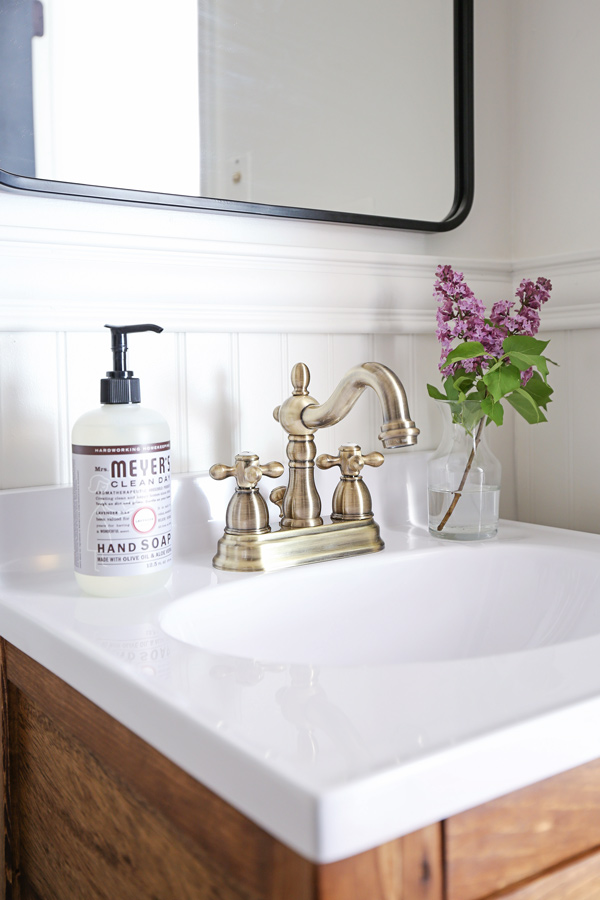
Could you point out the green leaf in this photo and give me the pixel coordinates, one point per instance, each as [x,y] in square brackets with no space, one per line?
[435,393]
[502,381]
[537,388]
[493,409]
[451,392]
[464,383]
[526,360]
[467,414]
[526,406]
[467,350]
[523,343]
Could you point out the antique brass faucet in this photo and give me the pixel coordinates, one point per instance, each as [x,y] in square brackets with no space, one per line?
[303,536]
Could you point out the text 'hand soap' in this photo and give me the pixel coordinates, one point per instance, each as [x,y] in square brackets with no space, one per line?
[122,486]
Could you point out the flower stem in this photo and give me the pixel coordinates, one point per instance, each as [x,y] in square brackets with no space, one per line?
[458,491]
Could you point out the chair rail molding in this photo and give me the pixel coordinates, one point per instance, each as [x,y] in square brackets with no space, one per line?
[56,279]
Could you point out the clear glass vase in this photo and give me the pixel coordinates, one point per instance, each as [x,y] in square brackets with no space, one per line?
[463,477]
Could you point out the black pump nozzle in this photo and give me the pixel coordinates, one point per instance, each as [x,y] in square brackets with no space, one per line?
[120,386]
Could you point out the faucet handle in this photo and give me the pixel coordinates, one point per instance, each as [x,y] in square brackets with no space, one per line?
[351,498]
[247,511]
[350,460]
[246,470]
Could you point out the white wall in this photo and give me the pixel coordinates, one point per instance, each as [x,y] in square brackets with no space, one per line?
[243,298]
[556,140]
[556,231]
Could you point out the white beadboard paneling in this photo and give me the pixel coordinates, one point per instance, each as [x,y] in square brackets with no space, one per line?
[88,359]
[151,357]
[361,425]
[401,353]
[212,400]
[543,453]
[396,351]
[502,442]
[263,385]
[415,358]
[315,350]
[154,360]
[583,427]
[64,435]
[29,410]
[427,357]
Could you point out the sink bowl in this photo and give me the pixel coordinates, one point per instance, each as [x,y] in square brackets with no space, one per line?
[433,605]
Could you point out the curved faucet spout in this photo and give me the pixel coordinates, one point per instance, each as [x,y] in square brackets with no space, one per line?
[397,430]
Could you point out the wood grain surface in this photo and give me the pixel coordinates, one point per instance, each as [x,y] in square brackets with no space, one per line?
[64,740]
[100,815]
[510,839]
[579,880]
[9,851]
[409,868]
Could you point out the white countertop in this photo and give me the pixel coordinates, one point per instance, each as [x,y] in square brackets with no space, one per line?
[332,759]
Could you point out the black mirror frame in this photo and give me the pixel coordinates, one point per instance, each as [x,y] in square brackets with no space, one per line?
[464,164]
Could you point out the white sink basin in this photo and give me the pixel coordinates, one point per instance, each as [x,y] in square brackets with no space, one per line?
[338,705]
[390,608]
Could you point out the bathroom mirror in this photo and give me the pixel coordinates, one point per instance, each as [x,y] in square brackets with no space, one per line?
[338,111]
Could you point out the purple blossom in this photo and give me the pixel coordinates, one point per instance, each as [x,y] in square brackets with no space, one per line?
[534,295]
[501,311]
[461,316]
[527,320]
[526,375]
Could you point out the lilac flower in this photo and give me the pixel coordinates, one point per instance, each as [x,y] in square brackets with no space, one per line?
[461,316]
[526,375]
[501,311]
[527,320]
[534,295]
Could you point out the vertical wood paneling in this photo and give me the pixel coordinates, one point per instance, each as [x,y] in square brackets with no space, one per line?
[408,356]
[316,351]
[64,437]
[29,410]
[261,389]
[218,392]
[582,426]
[154,360]
[426,353]
[502,443]
[88,358]
[397,352]
[152,357]
[212,405]
[348,350]
[182,436]
[543,452]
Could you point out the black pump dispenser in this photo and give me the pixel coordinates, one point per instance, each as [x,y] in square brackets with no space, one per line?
[120,386]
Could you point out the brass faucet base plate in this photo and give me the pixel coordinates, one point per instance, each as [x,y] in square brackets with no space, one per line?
[296,546]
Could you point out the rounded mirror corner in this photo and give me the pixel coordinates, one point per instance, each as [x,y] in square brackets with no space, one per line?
[463,115]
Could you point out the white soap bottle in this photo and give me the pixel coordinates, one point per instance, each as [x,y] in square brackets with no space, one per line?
[122,486]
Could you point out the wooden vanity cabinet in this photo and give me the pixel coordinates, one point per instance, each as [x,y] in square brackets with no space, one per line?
[91,811]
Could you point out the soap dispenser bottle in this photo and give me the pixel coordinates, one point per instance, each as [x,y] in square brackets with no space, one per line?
[122,486]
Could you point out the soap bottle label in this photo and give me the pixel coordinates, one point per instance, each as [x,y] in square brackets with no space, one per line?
[122,508]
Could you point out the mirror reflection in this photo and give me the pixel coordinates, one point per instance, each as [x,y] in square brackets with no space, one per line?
[340,105]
